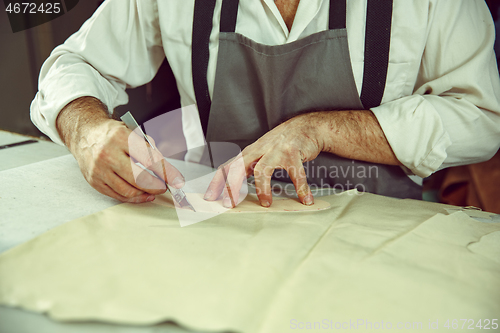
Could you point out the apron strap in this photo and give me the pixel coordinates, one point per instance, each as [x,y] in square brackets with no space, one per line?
[377,46]
[202,28]
[228,15]
[338,13]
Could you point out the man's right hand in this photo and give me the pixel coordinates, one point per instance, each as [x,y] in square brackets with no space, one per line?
[103,148]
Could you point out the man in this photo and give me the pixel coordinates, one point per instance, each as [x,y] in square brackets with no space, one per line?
[407,85]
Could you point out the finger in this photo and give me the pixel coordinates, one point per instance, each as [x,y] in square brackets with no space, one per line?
[138,148]
[234,180]
[168,173]
[218,183]
[151,158]
[122,187]
[106,190]
[146,181]
[137,177]
[216,186]
[152,141]
[298,176]
[250,160]
[250,168]
[263,172]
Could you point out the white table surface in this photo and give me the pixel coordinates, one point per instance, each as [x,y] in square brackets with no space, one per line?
[23,155]
[41,187]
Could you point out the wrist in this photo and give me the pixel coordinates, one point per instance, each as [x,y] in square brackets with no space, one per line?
[80,117]
[315,127]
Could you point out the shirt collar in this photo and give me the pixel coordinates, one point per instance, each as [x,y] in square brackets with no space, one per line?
[306,12]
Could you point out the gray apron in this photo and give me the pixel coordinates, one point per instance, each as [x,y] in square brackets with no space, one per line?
[259,86]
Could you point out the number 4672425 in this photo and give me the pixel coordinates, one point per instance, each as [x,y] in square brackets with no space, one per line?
[33,8]
[470,324]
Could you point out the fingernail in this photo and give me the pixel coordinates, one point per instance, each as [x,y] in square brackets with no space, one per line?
[227,203]
[265,204]
[178,182]
[151,198]
[308,200]
[208,195]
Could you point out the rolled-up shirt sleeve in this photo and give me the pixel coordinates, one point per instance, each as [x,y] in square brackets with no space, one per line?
[118,47]
[453,116]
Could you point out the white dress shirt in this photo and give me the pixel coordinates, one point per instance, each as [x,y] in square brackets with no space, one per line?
[441,105]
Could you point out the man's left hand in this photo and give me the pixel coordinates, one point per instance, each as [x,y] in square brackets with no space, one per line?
[286,147]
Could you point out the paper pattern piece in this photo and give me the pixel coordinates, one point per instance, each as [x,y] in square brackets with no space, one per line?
[249,205]
[195,191]
[204,210]
[209,209]
[368,259]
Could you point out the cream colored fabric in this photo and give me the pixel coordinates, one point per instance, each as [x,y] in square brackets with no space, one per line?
[366,258]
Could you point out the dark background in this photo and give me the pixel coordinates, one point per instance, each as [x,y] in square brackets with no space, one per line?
[22,55]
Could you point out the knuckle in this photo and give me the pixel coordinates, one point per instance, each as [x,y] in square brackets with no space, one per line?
[258,191]
[268,171]
[292,171]
[289,148]
[302,173]
[258,171]
[102,154]
[133,200]
[158,159]
[303,189]
[91,180]
[148,163]
[92,176]
[248,149]
[118,132]
[227,169]
[113,137]
[129,193]
[122,199]
[236,167]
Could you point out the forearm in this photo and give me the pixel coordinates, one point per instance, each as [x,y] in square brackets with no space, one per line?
[78,117]
[354,135]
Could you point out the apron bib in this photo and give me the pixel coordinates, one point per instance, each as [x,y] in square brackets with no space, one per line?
[259,86]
